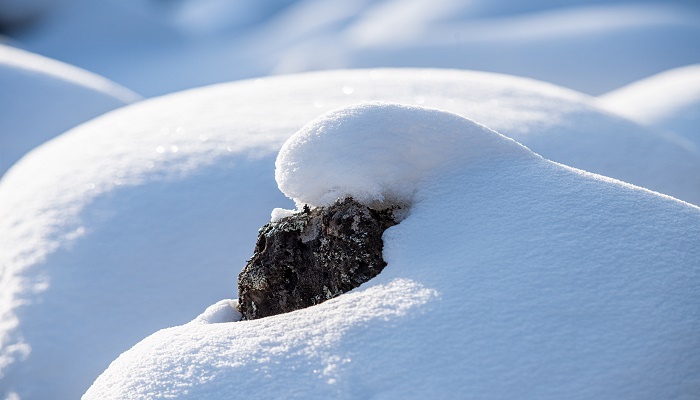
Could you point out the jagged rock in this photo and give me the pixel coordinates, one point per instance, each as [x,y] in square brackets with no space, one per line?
[312,256]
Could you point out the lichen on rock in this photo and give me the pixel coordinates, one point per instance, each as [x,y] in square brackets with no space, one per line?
[312,256]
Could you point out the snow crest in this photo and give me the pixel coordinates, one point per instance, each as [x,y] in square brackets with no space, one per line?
[379,152]
[220,312]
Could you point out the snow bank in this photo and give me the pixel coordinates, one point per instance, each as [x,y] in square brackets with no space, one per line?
[41,98]
[592,47]
[378,153]
[222,311]
[589,45]
[668,101]
[512,276]
[141,218]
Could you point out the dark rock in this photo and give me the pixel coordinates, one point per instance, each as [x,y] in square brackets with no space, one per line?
[312,256]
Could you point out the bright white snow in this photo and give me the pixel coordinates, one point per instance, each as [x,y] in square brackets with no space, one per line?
[142,218]
[138,220]
[378,153]
[512,275]
[222,311]
[41,98]
[669,101]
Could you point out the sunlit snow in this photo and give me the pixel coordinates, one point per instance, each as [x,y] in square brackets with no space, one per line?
[548,243]
[378,153]
[511,274]
[41,98]
[148,237]
[669,101]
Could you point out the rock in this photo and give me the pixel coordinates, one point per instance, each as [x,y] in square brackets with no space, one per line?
[312,256]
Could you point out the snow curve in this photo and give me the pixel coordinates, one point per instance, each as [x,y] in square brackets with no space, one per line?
[109,224]
[512,276]
[668,101]
[378,152]
[64,96]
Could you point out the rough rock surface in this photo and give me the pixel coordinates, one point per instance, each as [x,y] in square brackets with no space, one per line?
[312,256]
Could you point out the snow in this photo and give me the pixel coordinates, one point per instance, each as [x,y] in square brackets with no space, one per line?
[63,95]
[378,153]
[511,274]
[279,213]
[591,46]
[222,311]
[140,219]
[667,101]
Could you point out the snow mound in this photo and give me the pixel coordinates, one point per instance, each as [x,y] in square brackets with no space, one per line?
[378,152]
[589,45]
[266,342]
[41,98]
[668,101]
[592,47]
[222,311]
[513,276]
[140,219]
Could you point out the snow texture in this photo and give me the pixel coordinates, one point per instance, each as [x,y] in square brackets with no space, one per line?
[668,101]
[511,275]
[377,153]
[139,219]
[41,98]
[222,311]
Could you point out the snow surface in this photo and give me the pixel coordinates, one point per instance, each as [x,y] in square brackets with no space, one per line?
[589,45]
[667,101]
[378,153]
[141,218]
[512,275]
[222,311]
[41,98]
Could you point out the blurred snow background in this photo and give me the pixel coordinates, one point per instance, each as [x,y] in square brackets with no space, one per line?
[160,46]
[42,98]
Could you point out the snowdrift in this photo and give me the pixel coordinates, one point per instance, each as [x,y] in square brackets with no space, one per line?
[593,46]
[511,274]
[41,98]
[139,219]
[669,101]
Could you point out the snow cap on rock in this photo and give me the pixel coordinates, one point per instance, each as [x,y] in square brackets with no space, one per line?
[377,152]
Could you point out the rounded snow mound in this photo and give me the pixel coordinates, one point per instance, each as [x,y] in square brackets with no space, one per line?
[166,194]
[62,95]
[379,152]
[669,101]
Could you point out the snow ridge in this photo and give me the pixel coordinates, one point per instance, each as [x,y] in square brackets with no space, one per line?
[378,152]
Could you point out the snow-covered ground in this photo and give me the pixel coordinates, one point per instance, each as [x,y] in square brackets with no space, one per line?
[518,271]
[165,198]
[511,274]
[41,98]
[669,101]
